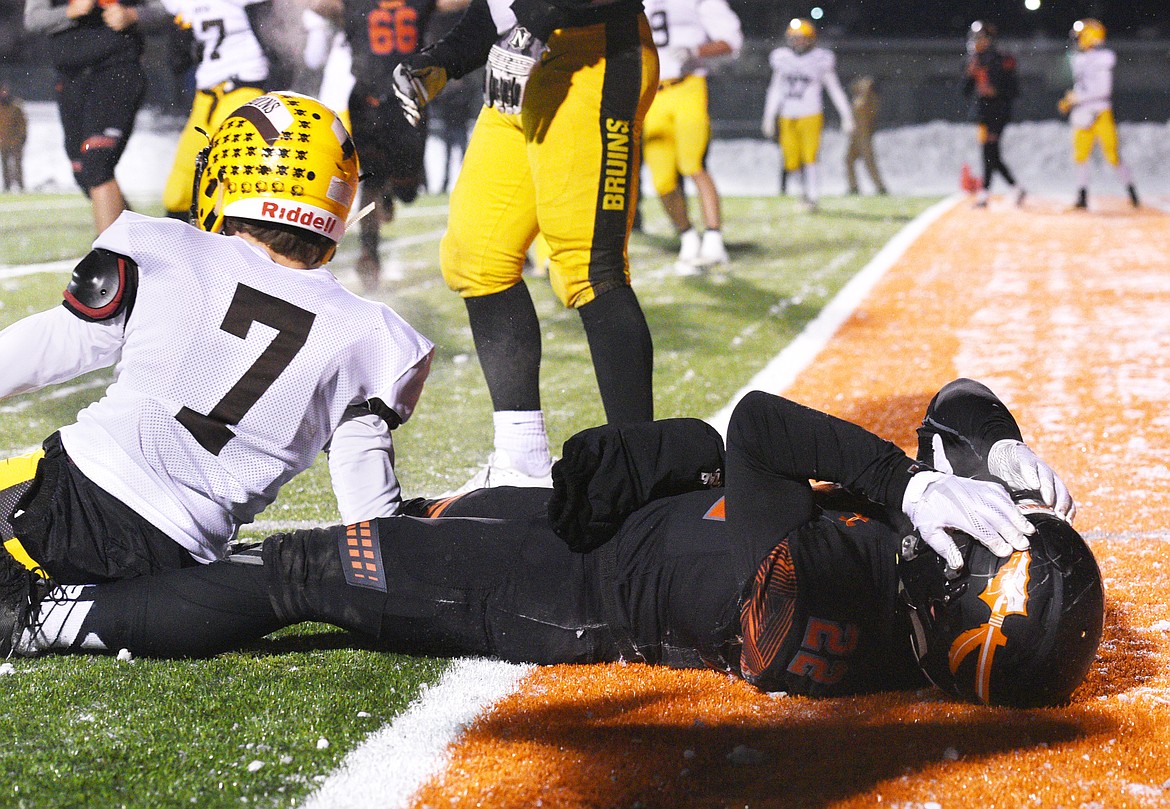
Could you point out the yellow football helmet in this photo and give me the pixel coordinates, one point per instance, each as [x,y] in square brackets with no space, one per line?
[1088,33]
[284,158]
[801,34]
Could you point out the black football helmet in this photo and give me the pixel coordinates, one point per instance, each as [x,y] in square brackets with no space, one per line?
[1019,632]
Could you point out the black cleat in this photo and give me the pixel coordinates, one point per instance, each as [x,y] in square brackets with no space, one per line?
[21,592]
[1133,197]
[1082,200]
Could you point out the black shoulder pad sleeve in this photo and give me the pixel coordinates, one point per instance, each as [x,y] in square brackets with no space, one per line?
[103,285]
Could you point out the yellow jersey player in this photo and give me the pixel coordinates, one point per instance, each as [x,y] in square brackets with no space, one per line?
[237,60]
[1089,106]
[677,132]
[800,71]
[554,150]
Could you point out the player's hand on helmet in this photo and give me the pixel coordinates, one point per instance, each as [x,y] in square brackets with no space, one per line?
[937,502]
[510,63]
[1021,470]
[416,81]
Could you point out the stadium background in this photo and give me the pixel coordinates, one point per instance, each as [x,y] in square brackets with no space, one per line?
[913,48]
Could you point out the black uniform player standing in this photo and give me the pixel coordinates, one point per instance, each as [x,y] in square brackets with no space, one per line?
[96,48]
[762,577]
[380,34]
[991,77]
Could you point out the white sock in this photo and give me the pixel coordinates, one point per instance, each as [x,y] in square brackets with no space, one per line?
[811,190]
[521,435]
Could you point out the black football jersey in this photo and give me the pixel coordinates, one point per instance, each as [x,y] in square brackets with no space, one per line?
[382,32]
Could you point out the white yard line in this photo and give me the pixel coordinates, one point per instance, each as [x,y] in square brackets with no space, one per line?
[20,270]
[393,763]
[783,369]
[390,766]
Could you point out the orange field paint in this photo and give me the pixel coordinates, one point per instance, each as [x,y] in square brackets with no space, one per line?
[1067,317]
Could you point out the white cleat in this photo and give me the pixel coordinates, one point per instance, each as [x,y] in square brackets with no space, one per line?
[712,251]
[688,254]
[498,471]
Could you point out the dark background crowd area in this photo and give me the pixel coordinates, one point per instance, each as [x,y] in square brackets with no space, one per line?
[913,48]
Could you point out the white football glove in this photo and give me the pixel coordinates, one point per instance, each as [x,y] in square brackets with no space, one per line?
[936,502]
[1020,469]
[510,62]
[415,85]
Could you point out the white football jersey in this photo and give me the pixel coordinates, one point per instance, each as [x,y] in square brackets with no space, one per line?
[798,80]
[681,26]
[232,373]
[1092,83]
[230,47]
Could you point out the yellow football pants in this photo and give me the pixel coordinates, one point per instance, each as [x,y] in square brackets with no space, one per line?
[800,140]
[566,166]
[208,111]
[677,132]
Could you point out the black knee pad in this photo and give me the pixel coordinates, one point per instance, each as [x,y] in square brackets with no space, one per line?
[331,574]
[99,155]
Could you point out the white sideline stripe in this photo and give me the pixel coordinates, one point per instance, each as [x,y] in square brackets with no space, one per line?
[393,763]
[18,270]
[783,369]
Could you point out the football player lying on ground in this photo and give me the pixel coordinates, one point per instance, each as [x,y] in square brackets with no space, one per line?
[641,552]
[236,357]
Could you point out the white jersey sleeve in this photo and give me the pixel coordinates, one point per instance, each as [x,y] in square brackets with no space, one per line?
[230,48]
[55,346]
[234,374]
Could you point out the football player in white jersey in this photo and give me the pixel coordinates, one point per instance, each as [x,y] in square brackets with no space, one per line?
[800,71]
[237,358]
[677,131]
[237,59]
[1089,107]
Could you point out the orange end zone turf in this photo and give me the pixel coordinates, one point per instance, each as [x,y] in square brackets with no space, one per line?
[1067,317]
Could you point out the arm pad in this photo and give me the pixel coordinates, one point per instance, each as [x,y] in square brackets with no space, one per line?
[103,286]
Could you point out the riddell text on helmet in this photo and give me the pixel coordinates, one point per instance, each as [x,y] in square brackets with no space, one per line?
[298,216]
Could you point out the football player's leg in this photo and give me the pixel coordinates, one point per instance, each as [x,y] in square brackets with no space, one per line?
[16,476]
[193,612]
[586,187]
[491,225]
[110,119]
[177,191]
[659,150]
[1082,147]
[1105,128]
[694,136]
[809,133]
[507,588]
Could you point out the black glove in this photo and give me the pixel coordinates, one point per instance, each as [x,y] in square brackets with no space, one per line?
[416,81]
[509,64]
